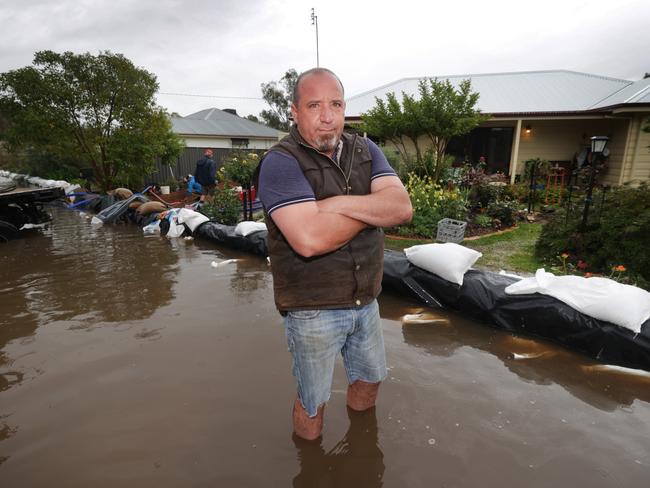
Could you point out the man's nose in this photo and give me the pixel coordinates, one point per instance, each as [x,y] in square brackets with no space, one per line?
[326,114]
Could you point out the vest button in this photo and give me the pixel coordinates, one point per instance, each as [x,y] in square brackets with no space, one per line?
[357,267]
[358,302]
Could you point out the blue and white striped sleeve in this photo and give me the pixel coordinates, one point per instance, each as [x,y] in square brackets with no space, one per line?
[282,182]
[380,166]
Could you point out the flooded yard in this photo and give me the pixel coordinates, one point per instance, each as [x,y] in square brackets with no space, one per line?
[130,361]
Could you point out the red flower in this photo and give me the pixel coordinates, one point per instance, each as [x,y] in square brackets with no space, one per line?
[581,264]
[588,275]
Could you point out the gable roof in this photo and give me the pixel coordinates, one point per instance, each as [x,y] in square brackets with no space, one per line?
[215,122]
[523,92]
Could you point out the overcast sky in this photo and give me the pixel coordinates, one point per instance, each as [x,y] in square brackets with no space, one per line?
[227,48]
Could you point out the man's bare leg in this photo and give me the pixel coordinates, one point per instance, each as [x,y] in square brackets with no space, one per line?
[305,426]
[362,395]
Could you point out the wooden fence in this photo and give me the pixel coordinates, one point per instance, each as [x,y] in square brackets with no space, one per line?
[186,163]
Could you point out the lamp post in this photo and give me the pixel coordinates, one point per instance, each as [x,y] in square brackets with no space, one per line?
[598,144]
[314,21]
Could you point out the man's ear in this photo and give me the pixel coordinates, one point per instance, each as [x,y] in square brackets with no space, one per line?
[294,113]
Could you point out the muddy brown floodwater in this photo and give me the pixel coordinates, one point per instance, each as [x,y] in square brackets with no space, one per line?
[129,361]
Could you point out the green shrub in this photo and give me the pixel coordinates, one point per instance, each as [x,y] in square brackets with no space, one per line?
[617,234]
[431,203]
[518,192]
[224,206]
[482,220]
[488,192]
[395,160]
[505,211]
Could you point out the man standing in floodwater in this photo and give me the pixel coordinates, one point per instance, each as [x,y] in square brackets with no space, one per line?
[326,195]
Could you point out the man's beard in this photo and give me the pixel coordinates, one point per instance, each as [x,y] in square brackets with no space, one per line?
[327,143]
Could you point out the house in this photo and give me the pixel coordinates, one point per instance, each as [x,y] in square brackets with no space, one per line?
[220,130]
[546,114]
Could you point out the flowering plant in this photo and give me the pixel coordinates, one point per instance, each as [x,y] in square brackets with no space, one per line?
[239,168]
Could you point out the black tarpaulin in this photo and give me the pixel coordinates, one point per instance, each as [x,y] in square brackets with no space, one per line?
[254,243]
[482,296]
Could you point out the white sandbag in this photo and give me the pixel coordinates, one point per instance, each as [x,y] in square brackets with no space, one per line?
[449,261]
[600,298]
[248,227]
[191,218]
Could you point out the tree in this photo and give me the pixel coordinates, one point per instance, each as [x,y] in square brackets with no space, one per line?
[99,110]
[439,113]
[278,96]
[252,118]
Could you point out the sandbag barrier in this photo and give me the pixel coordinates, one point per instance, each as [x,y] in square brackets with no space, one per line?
[483,298]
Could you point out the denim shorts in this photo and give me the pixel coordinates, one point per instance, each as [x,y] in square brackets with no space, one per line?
[315,338]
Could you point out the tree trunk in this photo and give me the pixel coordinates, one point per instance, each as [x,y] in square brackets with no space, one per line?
[440,148]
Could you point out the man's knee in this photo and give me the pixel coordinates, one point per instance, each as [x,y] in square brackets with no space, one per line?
[362,395]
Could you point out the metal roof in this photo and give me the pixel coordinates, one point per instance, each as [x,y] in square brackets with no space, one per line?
[637,92]
[215,122]
[512,93]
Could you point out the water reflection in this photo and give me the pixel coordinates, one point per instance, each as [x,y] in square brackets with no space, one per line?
[533,361]
[252,275]
[356,460]
[75,271]
[249,273]
[5,432]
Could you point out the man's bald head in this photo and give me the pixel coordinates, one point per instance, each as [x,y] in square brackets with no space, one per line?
[314,71]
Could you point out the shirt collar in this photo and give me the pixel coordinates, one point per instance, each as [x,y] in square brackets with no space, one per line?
[339,149]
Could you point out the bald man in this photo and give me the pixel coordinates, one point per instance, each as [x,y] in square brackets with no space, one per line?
[326,196]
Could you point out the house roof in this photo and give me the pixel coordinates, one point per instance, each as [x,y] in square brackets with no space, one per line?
[633,93]
[215,122]
[556,91]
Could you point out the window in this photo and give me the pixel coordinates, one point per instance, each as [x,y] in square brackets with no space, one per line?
[239,143]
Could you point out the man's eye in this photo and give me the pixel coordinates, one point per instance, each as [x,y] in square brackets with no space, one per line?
[312,105]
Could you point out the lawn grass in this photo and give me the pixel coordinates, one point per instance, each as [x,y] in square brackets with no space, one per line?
[512,251]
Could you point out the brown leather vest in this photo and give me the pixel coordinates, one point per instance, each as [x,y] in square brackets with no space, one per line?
[348,277]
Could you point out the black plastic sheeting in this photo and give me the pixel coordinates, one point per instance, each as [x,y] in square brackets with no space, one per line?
[119,209]
[254,243]
[483,298]
[139,219]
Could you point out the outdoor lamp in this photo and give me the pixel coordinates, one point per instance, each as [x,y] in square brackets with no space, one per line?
[598,144]
[528,129]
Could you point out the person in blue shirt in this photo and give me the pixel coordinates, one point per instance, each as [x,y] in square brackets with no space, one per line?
[193,186]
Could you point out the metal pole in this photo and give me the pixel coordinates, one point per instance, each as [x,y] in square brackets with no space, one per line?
[590,189]
[531,188]
[314,21]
